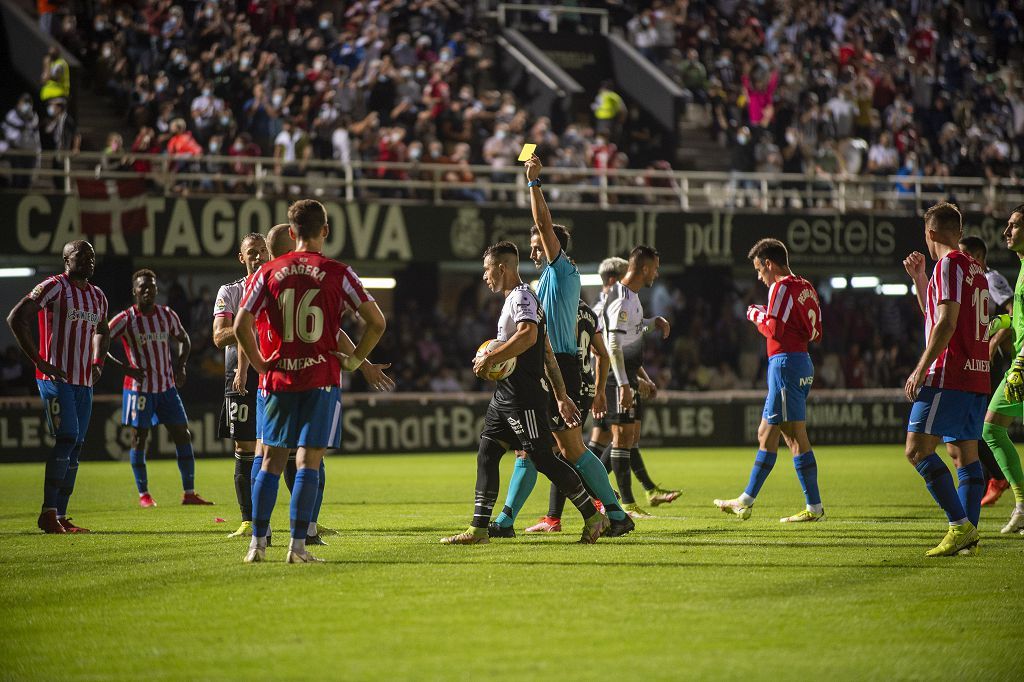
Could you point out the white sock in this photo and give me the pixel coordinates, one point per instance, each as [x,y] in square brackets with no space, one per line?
[1019,507]
[190,491]
[746,500]
[958,522]
[312,529]
[298,546]
[816,508]
[258,543]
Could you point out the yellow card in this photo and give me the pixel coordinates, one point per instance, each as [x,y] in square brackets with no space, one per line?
[528,150]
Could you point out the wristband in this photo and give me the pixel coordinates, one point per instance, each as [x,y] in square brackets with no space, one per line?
[533,183]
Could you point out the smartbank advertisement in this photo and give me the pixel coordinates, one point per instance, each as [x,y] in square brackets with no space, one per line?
[210,228]
[420,423]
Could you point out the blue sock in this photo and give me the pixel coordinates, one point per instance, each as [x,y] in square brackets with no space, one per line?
[56,471]
[138,460]
[319,492]
[524,477]
[67,486]
[593,473]
[257,464]
[971,490]
[807,472]
[304,493]
[264,496]
[186,465]
[940,484]
[763,464]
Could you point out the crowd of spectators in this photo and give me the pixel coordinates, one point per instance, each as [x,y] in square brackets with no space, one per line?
[305,81]
[842,88]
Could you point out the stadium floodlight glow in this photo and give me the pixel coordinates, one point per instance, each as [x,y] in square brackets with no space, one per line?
[893,290]
[17,272]
[378,282]
[591,281]
[864,282]
[838,282]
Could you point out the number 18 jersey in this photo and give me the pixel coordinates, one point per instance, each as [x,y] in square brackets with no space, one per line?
[304,295]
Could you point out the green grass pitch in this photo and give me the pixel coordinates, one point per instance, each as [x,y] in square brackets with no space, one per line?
[693,594]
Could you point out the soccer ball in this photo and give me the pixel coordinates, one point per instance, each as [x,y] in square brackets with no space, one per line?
[502,369]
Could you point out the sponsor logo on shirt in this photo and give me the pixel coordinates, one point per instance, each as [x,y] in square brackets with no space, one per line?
[976,365]
[75,315]
[298,364]
[153,337]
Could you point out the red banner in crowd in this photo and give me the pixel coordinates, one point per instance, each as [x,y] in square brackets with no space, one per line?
[104,204]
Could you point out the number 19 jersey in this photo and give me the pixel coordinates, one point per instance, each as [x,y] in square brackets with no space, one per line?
[304,295]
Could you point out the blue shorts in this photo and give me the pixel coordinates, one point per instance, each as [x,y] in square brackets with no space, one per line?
[145,410]
[790,376]
[261,410]
[68,408]
[310,419]
[954,415]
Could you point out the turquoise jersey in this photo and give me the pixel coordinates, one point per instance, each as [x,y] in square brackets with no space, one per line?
[559,294]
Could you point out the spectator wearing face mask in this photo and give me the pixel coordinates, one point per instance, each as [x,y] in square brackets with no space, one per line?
[21,134]
[499,152]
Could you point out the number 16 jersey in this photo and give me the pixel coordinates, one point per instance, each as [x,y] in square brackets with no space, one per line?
[304,294]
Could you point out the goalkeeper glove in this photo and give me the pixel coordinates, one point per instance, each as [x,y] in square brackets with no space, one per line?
[757,314]
[998,323]
[1014,389]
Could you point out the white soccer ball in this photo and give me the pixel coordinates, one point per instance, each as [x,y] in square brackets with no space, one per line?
[502,369]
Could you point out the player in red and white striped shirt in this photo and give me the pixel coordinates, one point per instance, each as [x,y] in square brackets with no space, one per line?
[73,341]
[150,394]
[949,387]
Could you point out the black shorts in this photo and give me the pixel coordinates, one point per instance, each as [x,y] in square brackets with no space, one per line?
[238,417]
[615,414]
[572,377]
[586,402]
[518,429]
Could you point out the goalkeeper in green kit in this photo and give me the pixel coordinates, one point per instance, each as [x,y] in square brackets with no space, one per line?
[1008,400]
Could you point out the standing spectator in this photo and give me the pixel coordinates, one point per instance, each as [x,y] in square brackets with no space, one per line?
[21,133]
[499,152]
[609,111]
[47,10]
[56,76]
[760,91]
[64,132]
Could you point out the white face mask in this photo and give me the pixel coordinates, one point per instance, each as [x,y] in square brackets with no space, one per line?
[277,99]
[25,109]
[501,134]
[206,92]
[52,111]
[742,139]
[214,147]
[790,138]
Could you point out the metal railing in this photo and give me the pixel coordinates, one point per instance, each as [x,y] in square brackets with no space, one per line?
[436,184]
[554,14]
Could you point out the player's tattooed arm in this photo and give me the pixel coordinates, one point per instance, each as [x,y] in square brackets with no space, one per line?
[566,407]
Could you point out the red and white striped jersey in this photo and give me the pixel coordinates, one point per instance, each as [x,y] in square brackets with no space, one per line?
[67,321]
[963,365]
[793,316]
[146,339]
[305,295]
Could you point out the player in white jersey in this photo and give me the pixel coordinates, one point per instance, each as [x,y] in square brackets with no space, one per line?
[238,412]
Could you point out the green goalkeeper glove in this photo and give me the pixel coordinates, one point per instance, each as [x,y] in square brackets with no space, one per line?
[998,323]
[1014,389]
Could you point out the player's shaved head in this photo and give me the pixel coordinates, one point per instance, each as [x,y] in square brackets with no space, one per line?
[308,217]
[73,246]
[279,241]
[503,252]
[770,249]
[944,217]
[612,267]
[976,247]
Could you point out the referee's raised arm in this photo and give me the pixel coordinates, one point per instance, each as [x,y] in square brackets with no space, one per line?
[541,214]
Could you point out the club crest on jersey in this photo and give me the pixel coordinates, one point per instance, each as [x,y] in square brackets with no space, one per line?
[623,316]
[37,292]
[976,365]
[75,315]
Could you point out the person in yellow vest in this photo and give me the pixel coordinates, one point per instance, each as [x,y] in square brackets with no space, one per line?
[609,110]
[56,76]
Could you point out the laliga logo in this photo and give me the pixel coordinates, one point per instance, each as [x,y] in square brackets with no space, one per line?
[467,233]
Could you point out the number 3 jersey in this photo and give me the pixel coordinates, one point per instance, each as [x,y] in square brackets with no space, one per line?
[586,329]
[793,316]
[524,388]
[304,295]
[964,364]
